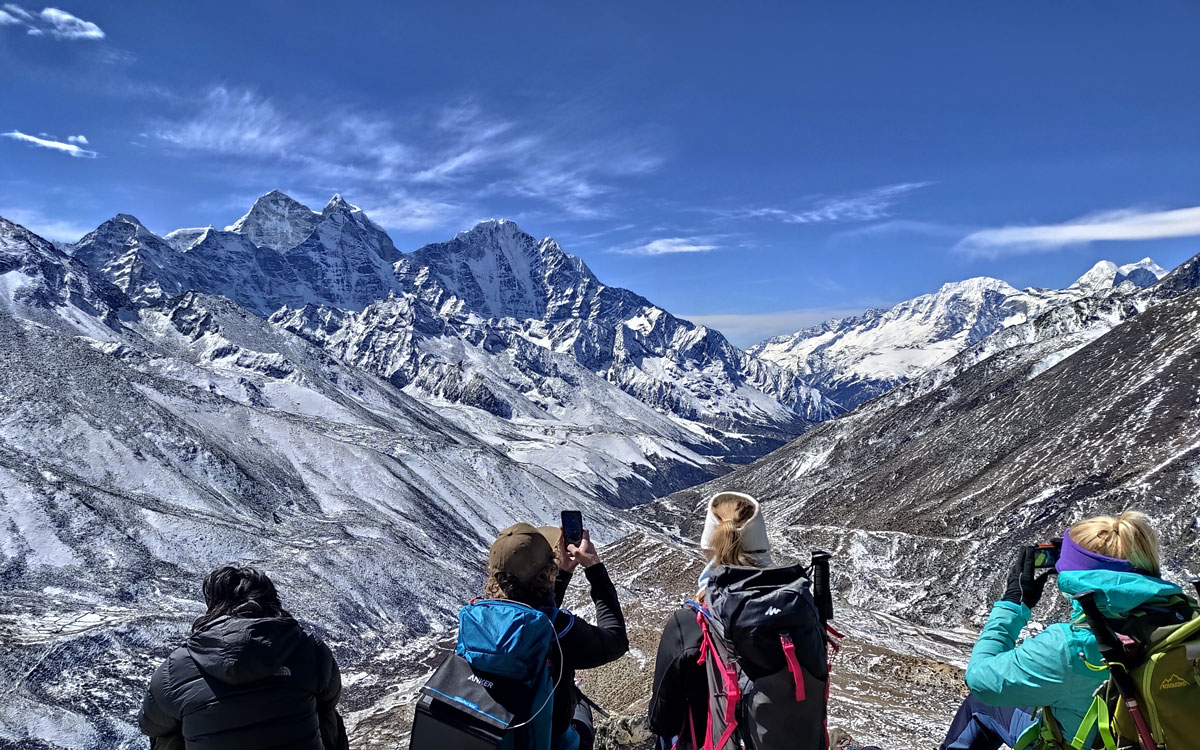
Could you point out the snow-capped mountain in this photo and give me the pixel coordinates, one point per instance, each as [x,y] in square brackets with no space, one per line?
[276,220]
[504,296]
[39,282]
[342,259]
[1088,408]
[534,290]
[853,360]
[1105,275]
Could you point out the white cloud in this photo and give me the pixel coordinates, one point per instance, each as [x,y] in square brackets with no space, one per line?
[1126,224]
[70,149]
[63,25]
[57,23]
[747,329]
[44,226]
[20,13]
[82,141]
[670,246]
[237,122]
[456,161]
[409,213]
[868,205]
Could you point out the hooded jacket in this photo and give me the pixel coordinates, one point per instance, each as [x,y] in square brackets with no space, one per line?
[247,684]
[1060,667]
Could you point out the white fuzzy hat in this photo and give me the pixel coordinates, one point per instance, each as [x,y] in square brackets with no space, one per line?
[754,531]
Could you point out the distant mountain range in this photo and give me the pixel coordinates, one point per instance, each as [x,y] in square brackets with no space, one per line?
[852,360]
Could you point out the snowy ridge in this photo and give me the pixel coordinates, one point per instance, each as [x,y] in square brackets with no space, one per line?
[855,359]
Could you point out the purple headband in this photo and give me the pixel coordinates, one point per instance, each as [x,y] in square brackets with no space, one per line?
[1074,557]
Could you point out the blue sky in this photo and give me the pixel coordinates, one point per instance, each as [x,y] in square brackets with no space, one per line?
[759,165]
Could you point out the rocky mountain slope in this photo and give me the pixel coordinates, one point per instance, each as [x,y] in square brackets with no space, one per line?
[1091,407]
[853,360]
[167,440]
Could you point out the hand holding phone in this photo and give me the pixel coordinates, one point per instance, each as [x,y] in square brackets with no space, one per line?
[1046,555]
[572,527]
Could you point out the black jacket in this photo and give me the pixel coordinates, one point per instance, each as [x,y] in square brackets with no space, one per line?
[584,645]
[680,682]
[247,684]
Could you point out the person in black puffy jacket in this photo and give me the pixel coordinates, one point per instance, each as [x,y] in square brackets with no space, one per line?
[248,677]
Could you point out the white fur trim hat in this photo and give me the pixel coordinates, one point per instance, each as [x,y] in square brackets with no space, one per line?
[754,531]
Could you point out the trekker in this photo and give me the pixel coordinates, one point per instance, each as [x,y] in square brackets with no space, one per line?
[532,566]
[248,677]
[738,572]
[1061,667]
[734,534]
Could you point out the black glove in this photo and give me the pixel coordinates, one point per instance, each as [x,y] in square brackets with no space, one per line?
[1024,586]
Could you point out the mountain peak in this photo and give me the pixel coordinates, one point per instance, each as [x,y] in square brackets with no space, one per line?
[1106,274]
[276,220]
[338,203]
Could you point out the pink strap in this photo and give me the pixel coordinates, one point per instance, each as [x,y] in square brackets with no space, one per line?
[733,693]
[789,653]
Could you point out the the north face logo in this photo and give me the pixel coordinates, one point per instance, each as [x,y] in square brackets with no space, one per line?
[773,611]
[283,672]
[1172,682]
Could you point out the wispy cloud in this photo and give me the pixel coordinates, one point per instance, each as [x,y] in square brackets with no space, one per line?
[410,213]
[867,205]
[747,329]
[82,141]
[56,23]
[1128,224]
[894,227]
[70,148]
[670,246]
[236,122]
[422,172]
[45,226]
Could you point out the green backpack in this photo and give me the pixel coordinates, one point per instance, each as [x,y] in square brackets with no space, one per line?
[1164,664]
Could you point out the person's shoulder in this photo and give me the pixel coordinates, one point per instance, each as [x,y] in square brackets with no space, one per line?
[683,622]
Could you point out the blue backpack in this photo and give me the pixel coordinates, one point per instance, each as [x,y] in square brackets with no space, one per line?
[495,692]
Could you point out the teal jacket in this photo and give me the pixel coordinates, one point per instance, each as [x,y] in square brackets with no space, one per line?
[1061,666]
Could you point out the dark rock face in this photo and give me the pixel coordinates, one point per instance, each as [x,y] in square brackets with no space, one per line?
[45,284]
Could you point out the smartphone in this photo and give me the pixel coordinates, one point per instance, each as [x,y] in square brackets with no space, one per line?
[572,526]
[1046,555]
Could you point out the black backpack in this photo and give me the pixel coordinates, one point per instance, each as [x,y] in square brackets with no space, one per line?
[766,650]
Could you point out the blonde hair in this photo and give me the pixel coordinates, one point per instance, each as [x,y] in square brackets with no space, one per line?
[733,511]
[1128,537]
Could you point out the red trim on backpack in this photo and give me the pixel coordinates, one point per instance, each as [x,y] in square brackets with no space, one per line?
[789,653]
[733,693]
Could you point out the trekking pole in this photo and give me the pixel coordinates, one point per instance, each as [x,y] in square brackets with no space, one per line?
[821,593]
[1114,656]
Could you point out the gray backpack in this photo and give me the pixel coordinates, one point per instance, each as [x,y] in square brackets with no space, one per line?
[766,651]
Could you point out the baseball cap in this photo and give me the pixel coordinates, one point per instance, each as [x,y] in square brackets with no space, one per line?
[521,550]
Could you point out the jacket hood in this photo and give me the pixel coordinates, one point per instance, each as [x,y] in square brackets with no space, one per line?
[1117,593]
[238,650]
